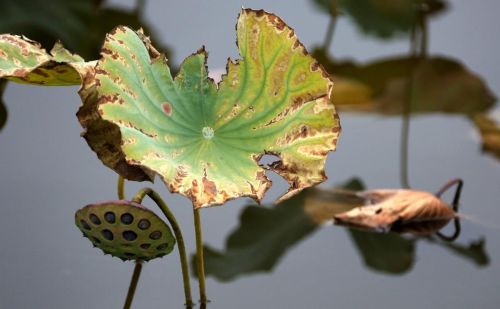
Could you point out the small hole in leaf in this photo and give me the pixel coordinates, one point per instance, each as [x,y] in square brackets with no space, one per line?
[145,246]
[96,240]
[144,224]
[162,246]
[110,217]
[129,235]
[85,225]
[94,219]
[155,235]
[127,218]
[268,159]
[107,234]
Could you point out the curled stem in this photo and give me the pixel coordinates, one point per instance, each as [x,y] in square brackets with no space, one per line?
[200,263]
[133,284]
[456,200]
[178,235]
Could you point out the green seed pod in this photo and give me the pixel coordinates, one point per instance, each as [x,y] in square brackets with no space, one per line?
[126,230]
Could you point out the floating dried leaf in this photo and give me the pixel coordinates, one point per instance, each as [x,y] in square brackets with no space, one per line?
[399,210]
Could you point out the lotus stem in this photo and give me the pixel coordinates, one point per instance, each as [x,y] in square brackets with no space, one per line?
[200,263]
[178,235]
[456,201]
[133,284]
[331,26]
[121,187]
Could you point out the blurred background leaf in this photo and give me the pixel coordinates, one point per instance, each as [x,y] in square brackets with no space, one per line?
[432,85]
[262,238]
[489,129]
[80,24]
[266,233]
[382,18]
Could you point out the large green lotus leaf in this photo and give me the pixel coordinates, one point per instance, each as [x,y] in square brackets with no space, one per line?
[205,139]
[25,61]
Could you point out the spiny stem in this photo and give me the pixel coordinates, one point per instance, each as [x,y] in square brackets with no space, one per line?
[133,284]
[121,187]
[200,263]
[178,235]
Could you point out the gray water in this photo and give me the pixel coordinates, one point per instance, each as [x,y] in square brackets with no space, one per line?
[48,172]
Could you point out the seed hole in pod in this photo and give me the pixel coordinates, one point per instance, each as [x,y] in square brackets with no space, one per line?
[129,254]
[96,240]
[110,217]
[155,235]
[85,225]
[127,218]
[162,246]
[94,219]
[129,235]
[145,246]
[144,224]
[107,234]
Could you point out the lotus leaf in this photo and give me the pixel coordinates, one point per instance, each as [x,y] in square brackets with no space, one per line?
[402,210]
[205,140]
[381,18]
[489,129]
[25,61]
[434,85]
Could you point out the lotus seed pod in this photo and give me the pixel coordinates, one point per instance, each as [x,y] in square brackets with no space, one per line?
[126,230]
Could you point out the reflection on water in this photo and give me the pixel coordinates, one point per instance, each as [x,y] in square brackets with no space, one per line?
[265,234]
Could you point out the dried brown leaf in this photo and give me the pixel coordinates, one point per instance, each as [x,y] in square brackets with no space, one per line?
[402,210]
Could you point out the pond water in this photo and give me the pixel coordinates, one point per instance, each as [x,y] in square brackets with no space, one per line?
[278,257]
